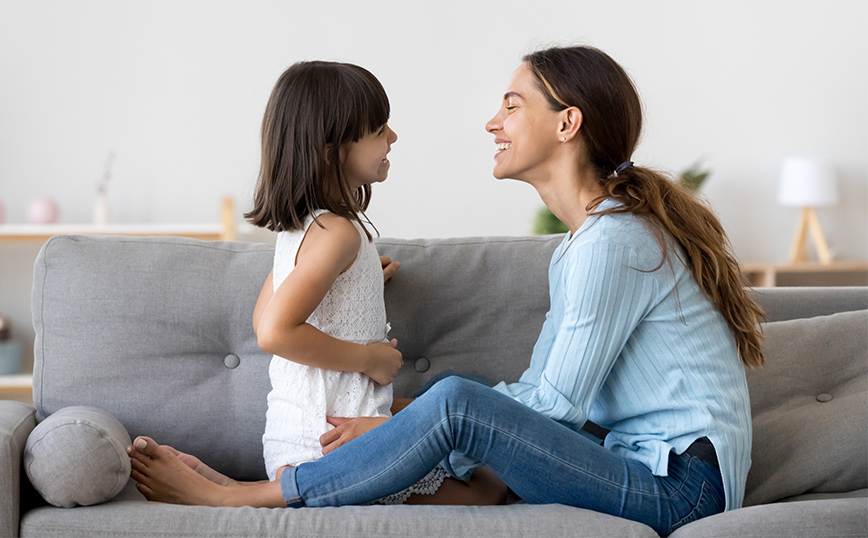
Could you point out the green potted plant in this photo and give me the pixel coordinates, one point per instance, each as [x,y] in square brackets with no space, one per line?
[694,176]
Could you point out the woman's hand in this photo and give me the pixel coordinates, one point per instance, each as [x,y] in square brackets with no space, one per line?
[389,267]
[384,361]
[347,429]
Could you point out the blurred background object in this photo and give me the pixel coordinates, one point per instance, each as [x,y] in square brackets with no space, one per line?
[10,350]
[808,183]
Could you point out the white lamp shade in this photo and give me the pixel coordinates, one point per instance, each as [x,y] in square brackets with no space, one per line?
[807,182]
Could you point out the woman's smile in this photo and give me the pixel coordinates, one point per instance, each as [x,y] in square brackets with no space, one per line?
[525,130]
[501,147]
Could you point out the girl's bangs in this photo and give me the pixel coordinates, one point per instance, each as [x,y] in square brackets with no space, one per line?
[372,106]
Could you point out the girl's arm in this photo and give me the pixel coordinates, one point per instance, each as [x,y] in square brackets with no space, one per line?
[282,328]
[264,297]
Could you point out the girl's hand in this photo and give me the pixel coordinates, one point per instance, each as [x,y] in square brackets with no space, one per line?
[389,267]
[347,429]
[384,361]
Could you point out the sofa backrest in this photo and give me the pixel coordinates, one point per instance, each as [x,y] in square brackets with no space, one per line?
[158,331]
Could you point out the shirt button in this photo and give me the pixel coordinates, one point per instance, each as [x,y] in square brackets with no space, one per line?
[231,361]
[824,397]
[422,364]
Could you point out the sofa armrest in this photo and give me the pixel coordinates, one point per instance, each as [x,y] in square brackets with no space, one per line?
[17,420]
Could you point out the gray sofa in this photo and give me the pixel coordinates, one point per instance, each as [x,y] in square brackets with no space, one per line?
[157,332]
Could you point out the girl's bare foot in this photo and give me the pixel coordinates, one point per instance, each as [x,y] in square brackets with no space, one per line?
[162,476]
[197,465]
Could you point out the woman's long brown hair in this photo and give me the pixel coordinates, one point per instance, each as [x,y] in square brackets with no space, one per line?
[593,82]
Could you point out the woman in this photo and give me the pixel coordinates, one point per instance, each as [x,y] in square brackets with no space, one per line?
[648,335]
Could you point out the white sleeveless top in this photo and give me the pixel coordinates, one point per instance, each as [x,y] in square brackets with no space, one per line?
[301,397]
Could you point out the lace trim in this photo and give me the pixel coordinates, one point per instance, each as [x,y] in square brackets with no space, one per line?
[427,486]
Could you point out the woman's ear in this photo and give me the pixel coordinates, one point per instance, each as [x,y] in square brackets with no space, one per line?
[569,123]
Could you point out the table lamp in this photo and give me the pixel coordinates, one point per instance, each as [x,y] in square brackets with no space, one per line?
[808,183]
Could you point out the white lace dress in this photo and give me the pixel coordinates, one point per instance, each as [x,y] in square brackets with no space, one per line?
[301,397]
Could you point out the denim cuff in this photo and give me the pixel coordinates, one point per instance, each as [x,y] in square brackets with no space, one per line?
[459,466]
[289,488]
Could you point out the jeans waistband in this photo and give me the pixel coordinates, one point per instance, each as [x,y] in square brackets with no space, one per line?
[704,450]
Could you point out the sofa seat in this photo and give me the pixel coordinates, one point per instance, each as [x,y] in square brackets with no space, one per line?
[130,516]
[842,517]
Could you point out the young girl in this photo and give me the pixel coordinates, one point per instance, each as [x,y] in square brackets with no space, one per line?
[321,311]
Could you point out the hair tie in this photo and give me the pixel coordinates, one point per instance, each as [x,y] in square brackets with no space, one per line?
[623,166]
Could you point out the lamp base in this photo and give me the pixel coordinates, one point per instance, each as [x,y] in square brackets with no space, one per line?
[809,223]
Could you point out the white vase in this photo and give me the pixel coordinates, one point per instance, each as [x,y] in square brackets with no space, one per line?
[101,210]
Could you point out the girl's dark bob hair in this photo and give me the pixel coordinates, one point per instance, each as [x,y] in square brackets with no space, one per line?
[315,108]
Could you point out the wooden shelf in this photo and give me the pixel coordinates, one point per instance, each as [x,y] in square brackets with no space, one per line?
[838,273]
[225,230]
[17,387]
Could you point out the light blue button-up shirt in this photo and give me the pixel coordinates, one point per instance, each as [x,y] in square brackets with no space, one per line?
[640,352]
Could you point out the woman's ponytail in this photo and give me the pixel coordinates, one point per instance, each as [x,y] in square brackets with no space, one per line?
[668,205]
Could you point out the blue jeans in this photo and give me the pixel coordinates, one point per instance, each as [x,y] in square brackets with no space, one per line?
[540,460]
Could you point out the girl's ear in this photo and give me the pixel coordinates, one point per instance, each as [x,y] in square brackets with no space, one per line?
[569,123]
[343,150]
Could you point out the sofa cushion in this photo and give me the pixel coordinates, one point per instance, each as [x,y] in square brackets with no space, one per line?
[157,331]
[808,519]
[78,456]
[472,305]
[810,407]
[139,519]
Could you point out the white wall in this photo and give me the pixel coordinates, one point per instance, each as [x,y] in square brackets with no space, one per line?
[177,90]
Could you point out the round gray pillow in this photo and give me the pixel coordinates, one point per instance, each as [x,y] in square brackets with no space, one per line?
[78,456]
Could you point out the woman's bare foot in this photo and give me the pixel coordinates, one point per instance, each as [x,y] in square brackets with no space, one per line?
[162,476]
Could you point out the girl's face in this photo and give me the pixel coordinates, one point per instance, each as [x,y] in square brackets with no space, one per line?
[365,162]
[525,129]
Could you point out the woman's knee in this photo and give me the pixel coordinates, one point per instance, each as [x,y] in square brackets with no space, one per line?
[458,395]
[456,389]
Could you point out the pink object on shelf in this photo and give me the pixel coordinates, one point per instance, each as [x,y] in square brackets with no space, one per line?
[42,211]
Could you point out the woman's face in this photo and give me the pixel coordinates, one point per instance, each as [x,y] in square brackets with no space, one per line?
[525,130]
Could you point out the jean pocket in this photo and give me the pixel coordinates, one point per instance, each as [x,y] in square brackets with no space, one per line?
[708,503]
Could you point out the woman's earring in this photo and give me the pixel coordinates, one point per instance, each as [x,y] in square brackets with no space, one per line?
[563,139]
